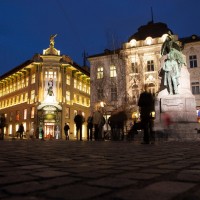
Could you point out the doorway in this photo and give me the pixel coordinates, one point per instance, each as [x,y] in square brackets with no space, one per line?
[49,130]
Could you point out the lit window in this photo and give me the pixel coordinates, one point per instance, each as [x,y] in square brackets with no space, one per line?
[148,41]
[33,78]
[88,102]
[84,87]
[193,61]
[26,97]
[83,100]
[133,43]
[113,72]
[99,72]
[17,115]
[27,80]
[79,85]
[17,99]
[150,65]
[77,98]
[68,96]
[75,83]
[163,38]
[21,98]
[32,95]
[68,80]
[25,113]
[23,83]
[32,112]
[18,84]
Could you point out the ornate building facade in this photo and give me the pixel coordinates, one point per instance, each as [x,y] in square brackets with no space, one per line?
[118,76]
[45,93]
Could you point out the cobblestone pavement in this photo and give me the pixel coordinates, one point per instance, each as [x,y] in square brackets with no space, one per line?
[58,169]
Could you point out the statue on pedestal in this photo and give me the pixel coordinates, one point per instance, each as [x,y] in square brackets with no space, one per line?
[172,61]
[52,42]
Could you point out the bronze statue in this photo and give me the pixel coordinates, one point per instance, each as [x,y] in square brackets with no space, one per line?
[52,42]
[171,52]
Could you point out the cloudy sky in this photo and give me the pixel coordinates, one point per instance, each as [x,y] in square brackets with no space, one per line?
[84,25]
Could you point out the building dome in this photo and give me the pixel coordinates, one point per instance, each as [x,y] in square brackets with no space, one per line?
[152,29]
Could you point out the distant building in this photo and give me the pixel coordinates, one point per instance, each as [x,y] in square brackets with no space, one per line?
[45,93]
[118,76]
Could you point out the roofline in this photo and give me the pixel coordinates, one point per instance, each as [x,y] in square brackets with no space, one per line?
[12,71]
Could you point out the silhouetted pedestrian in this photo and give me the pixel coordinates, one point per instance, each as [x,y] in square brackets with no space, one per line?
[146,106]
[89,127]
[97,121]
[79,122]
[66,130]
[21,131]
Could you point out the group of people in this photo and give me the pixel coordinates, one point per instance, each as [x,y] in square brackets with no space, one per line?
[117,122]
[96,120]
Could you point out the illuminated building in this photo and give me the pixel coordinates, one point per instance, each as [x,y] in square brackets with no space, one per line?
[118,76]
[45,93]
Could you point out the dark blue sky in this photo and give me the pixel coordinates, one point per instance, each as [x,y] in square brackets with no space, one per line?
[90,25]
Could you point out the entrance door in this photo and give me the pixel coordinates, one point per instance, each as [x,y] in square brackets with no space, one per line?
[49,130]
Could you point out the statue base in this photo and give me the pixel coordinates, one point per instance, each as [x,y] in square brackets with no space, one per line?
[181,110]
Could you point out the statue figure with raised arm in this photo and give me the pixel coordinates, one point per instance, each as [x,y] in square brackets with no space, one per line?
[173,60]
[52,42]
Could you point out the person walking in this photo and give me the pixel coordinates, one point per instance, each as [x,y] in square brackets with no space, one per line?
[97,121]
[21,131]
[66,130]
[89,127]
[146,106]
[79,122]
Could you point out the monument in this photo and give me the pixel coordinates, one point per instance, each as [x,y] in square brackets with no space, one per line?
[175,98]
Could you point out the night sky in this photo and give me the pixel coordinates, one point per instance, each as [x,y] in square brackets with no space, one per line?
[90,25]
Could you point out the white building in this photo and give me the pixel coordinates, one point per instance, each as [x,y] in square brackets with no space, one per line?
[118,76]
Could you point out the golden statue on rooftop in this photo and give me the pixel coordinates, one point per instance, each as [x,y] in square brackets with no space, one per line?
[52,42]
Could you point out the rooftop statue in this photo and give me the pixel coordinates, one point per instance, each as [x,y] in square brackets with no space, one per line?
[52,42]
[173,61]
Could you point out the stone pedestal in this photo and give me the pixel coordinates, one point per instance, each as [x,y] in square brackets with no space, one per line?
[180,107]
